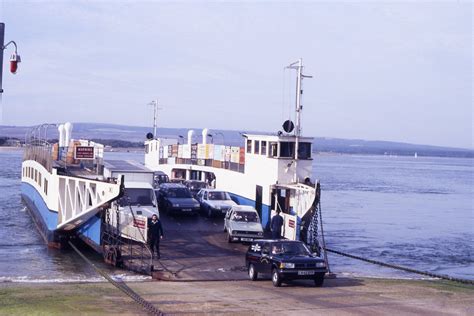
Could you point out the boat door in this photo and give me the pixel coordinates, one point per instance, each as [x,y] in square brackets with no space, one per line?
[258,200]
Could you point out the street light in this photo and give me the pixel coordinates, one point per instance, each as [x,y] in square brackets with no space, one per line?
[212,138]
[181,137]
[14,58]
[223,137]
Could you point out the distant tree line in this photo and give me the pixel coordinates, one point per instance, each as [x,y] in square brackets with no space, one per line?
[117,143]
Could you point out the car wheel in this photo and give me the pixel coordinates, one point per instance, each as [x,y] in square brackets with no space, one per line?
[276,278]
[319,280]
[253,275]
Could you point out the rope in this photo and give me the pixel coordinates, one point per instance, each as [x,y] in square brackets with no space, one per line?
[393,266]
[122,286]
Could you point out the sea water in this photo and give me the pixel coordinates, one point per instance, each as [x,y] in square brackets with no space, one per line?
[415,212]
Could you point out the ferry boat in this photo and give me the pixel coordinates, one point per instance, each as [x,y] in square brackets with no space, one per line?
[270,172]
[62,185]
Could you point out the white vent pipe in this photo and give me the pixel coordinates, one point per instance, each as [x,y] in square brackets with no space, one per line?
[68,133]
[190,136]
[61,135]
[204,136]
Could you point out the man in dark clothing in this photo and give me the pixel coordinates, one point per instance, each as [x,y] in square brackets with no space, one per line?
[155,234]
[277,222]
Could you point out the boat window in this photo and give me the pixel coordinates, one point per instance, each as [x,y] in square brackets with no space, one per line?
[287,149]
[273,150]
[304,150]
[45,186]
[146,149]
[249,146]
[256,149]
[264,147]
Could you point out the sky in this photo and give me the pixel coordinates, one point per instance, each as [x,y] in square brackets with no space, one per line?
[394,71]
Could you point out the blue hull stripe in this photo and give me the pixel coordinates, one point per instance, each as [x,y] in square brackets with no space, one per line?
[92,230]
[49,217]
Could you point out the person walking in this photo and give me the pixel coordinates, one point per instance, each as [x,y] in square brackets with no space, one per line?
[276,224]
[155,234]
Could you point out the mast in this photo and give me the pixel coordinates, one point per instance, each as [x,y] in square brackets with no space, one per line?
[298,65]
[155,114]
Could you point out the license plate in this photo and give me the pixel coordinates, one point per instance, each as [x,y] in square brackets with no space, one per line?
[186,210]
[246,239]
[305,272]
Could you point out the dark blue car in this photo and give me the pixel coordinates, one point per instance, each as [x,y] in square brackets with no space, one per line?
[176,198]
[284,260]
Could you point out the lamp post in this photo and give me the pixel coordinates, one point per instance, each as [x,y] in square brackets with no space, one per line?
[14,58]
[223,137]
[212,138]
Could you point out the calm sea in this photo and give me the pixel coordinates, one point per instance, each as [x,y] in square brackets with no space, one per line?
[416,212]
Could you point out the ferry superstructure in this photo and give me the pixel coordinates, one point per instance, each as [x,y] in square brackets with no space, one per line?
[269,172]
[62,188]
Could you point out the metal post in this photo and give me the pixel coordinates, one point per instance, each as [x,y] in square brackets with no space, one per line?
[155,105]
[2,43]
[298,116]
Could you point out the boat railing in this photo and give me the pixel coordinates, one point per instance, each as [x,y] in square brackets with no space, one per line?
[209,155]
[39,152]
[206,162]
[37,145]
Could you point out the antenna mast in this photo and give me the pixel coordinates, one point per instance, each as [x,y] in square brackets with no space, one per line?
[155,115]
[298,65]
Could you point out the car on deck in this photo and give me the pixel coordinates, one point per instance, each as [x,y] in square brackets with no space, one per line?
[174,198]
[242,223]
[195,186]
[214,202]
[284,260]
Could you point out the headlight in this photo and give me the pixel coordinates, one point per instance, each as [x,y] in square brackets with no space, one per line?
[287,265]
[320,264]
[217,207]
[175,205]
[197,205]
[260,234]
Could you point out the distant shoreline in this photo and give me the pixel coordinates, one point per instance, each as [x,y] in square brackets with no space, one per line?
[318,153]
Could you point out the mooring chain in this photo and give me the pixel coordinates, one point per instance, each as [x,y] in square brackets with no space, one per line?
[150,308]
[393,266]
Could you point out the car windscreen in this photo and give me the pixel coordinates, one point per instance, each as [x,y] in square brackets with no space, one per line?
[136,196]
[219,196]
[290,248]
[179,193]
[245,217]
[197,186]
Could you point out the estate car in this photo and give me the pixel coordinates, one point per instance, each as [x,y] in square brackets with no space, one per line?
[242,223]
[285,260]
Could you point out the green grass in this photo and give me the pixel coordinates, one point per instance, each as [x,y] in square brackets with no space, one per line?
[62,299]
